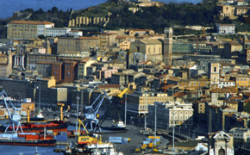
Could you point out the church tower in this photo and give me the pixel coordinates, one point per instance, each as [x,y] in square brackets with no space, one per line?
[168,45]
[220,143]
[214,73]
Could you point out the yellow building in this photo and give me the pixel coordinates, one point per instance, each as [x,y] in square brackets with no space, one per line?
[243,80]
[241,10]
[27,29]
[227,11]
[148,49]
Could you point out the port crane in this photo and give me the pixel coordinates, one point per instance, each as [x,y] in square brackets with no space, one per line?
[91,112]
[14,116]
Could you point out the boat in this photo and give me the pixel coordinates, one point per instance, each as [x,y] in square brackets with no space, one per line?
[118,125]
[38,117]
[28,139]
[97,147]
[55,126]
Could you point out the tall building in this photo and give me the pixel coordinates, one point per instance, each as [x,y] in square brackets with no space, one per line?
[19,29]
[214,73]
[167,47]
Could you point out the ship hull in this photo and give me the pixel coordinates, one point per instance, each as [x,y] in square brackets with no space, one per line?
[29,143]
[37,128]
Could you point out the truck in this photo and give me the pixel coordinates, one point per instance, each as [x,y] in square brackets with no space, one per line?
[119,140]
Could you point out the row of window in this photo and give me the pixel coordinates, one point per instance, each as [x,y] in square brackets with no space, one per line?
[23,26]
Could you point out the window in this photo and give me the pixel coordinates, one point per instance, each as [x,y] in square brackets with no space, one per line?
[215,69]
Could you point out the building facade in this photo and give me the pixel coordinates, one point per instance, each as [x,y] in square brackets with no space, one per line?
[27,29]
[171,114]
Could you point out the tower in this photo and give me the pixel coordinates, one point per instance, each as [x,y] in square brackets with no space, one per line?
[214,73]
[167,46]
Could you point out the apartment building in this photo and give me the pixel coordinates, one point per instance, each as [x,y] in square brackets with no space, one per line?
[19,29]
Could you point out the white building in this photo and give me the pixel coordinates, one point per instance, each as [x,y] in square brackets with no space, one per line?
[75,33]
[225,28]
[54,32]
[41,29]
[171,114]
[226,84]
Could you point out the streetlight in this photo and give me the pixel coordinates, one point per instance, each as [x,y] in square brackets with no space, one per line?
[77,109]
[155,123]
[145,117]
[173,129]
[125,115]
[39,98]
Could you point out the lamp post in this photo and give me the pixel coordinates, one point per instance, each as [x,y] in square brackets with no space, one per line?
[145,115]
[39,97]
[77,109]
[155,123]
[173,129]
[125,115]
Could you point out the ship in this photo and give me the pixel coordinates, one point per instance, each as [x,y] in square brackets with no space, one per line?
[55,126]
[28,139]
[90,147]
[117,126]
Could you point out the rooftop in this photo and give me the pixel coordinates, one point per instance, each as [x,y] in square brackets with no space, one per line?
[30,22]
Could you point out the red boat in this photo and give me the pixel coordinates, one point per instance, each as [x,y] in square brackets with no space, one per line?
[55,126]
[27,139]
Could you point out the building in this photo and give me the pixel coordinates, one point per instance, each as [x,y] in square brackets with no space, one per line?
[107,39]
[33,59]
[137,102]
[242,80]
[80,20]
[225,28]
[241,136]
[144,50]
[214,73]
[17,89]
[140,32]
[168,46]
[227,11]
[5,63]
[220,143]
[82,68]
[106,72]
[56,71]
[73,46]
[69,68]
[56,32]
[171,114]
[19,29]
[248,56]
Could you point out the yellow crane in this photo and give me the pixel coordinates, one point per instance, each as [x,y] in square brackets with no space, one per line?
[125,91]
[86,139]
[28,115]
[61,110]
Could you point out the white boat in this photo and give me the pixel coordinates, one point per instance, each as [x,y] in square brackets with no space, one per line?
[119,125]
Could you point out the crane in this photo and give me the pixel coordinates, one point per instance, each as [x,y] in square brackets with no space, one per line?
[91,115]
[85,139]
[14,116]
